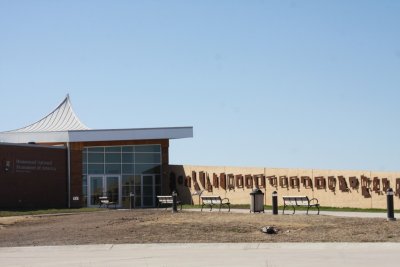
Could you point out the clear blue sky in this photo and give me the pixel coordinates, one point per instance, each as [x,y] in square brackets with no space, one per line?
[289,84]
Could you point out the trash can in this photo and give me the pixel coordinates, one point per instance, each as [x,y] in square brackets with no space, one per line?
[257,201]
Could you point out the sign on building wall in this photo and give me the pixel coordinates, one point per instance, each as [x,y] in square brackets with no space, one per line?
[33,176]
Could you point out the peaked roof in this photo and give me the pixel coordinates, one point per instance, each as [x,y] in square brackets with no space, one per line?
[62,125]
[63,118]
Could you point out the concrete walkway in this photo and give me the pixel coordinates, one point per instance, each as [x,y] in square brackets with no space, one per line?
[232,255]
[311,212]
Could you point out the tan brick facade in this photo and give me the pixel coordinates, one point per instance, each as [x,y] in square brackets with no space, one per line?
[356,189]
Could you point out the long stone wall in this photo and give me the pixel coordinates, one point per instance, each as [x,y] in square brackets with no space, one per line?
[333,188]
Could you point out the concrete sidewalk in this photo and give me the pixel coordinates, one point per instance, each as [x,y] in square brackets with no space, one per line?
[311,212]
[232,255]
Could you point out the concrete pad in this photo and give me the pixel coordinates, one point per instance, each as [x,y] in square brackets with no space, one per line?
[355,214]
[311,213]
[242,254]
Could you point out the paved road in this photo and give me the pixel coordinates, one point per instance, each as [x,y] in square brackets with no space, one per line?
[168,255]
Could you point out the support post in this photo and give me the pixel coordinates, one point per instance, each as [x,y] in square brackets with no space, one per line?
[131,200]
[174,200]
[390,206]
[69,174]
[274,203]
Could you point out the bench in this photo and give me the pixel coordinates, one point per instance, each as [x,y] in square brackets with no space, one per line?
[299,201]
[167,201]
[215,200]
[104,201]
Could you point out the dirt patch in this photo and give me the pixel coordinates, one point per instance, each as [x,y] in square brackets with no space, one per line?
[159,226]
[6,221]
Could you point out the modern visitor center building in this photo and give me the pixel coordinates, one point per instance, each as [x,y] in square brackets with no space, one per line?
[58,162]
[74,165]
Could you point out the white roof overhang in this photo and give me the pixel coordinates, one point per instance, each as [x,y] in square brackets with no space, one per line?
[97,135]
[62,126]
[131,134]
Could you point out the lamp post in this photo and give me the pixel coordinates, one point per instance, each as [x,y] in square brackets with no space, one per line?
[390,206]
[274,203]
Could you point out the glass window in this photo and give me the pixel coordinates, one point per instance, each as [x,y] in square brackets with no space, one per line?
[95,158]
[113,158]
[125,202]
[147,190]
[147,168]
[126,190]
[127,158]
[95,168]
[138,191]
[128,179]
[147,179]
[148,201]
[127,168]
[113,168]
[158,190]
[96,149]
[148,158]
[139,167]
[138,180]
[138,201]
[158,179]
[113,149]
[127,149]
[148,148]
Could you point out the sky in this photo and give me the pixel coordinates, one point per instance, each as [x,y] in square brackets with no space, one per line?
[279,84]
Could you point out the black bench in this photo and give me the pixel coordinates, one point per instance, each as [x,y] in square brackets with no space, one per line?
[215,200]
[167,201]
[104,201]
[299,201]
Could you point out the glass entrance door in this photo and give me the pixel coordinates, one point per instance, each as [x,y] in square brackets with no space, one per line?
[148,191]
[95,185]
[113,189]
[104,185]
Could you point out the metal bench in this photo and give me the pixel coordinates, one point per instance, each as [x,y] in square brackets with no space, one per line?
[215,200]
[299,201]
[104,201]
[167,201]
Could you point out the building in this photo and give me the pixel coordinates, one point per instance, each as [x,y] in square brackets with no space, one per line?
[33,176]
[118,163]
[60,162]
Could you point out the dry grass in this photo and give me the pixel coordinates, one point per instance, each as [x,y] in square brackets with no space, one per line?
[152,226]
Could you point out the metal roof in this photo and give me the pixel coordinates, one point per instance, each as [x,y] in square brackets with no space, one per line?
[63,118]
[62,125]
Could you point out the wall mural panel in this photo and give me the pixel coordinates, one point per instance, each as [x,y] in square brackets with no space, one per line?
[344,189]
